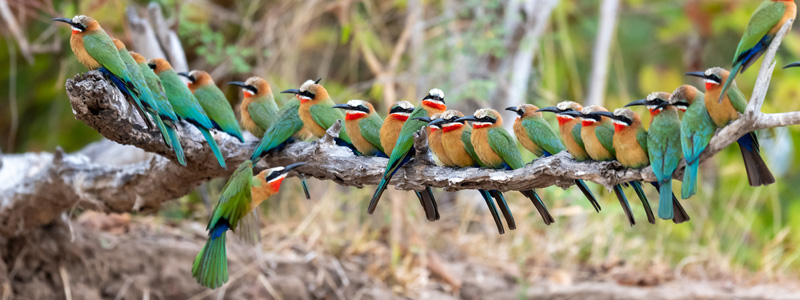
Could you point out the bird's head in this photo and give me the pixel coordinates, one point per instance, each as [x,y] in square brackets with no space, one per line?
[159,65]
[434,102]
[561,110]
[656,102]
[525,110]
[401,110]
[253,86]
[274,176]
[484,118]
[356,109]
[684,96]
[80,24]
[622,118]
[591,115]
[138,57]
[197,79]
[449,120]
[310,92]
[713,77]
[119,44]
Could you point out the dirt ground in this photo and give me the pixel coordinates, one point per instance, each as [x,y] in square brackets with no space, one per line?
[114,257]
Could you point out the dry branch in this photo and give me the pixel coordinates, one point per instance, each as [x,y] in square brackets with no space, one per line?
[35,189]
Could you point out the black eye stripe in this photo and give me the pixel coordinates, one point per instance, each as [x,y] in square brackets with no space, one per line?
[400,109]
[306,94]
[361,108]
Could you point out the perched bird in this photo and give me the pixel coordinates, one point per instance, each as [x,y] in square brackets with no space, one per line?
[536,135]
[456,143]
[435,140]
[734,103]
[390,131]
[240,197]
[663,146]
[258,109]
[165,111]
[403,151]
[214,103]
[764,24]
[497,149]
[363,125]
[697,129]
[184,103]
[570,128]
[286,126]
[630,144]
[95,50]
[316,111]
[597,133]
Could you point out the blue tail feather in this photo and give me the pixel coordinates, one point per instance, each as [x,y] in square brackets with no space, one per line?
[176,143]
[665,200]
[210,267]
[689,187]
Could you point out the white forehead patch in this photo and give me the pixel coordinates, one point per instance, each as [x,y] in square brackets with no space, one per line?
[356,102]
[618,122]
[436,92]
[620,111]
[79,18]
[652,96]
[564,105]
[483,112]
[449,114]
[306,85]
[404,105]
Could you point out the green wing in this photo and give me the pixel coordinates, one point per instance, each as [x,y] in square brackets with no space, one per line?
[325,115]
[183,101]
[234,203]
[406,139]
[738,100]
[100,47]
[576,135]
[287,123]
[504,145]
[371,130]
[263,112]
[164,108]
[641,137]
[766,16]
[542,134]
[605,133]
[217,108]
[466,139]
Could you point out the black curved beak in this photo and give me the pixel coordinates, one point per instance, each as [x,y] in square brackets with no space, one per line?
[511,108]
[293,166]
[423,119]
[63,20]
[573,113]
[663,104]
[604,114]
[341,106]
[637,102]
[291,91]
[467,118]
[185,74]
[437,122]
[697,74]
[238,83]
[791,65]
[551,109]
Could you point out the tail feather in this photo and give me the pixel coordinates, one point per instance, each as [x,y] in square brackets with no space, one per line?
[588,193]
[429,204]
[487,197]
[539,204]
[387,175]
[127,89]
[757,171]
[305,186]
[689,187]
[664,198]
[373,203]
[176,143]
[623,201]
[637,186]
[210,267]
[680,214]
[501,202]
[162,129]
[214,148]
[430,196]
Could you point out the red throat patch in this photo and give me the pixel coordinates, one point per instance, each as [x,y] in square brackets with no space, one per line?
[76,31]
[479,126]
[619,127]
[451,127]
[302,99]
[398,117]
[354,115]
[562,120]
[435,105]
[655,112]
[247,94]
[710,85]
[587,123]
[276,184]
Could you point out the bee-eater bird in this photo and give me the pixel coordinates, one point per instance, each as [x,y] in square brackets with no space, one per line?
[734,103]
[536,135]
[630,144]
[363,126]
[764,24]
[165,111]
[317,112]
[497,149]
[286,125]
[435,139]
[214,103]
[456,143]
[240,197]
[155,109]
[95,50]
[390,131]
[663,146]
[697,129]
[403,150]
[569,128]
[185,104]
[597,133]
[258,109]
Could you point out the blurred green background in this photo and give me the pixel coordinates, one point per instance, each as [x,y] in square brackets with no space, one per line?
[470,49]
